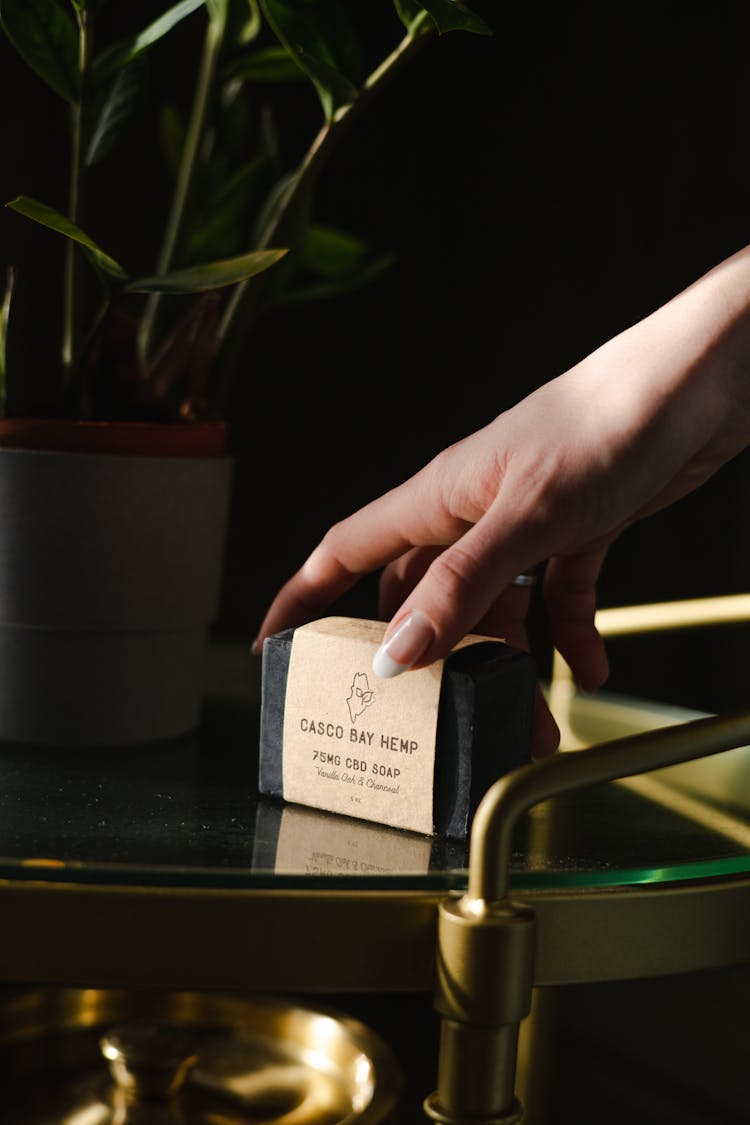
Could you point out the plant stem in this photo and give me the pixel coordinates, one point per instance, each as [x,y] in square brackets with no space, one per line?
[247,296]
[211,49]
[74,191]
[318,153]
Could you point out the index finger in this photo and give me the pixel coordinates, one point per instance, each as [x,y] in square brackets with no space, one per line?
[405,517]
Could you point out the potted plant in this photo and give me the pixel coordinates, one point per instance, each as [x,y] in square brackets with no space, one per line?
[114,476]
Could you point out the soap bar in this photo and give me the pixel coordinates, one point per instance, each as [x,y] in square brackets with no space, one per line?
[484,711]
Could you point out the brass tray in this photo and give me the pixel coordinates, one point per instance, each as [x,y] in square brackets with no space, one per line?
[143,1057]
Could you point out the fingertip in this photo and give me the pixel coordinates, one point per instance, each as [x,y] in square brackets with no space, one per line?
[386,668]
[545,737]
[404,645]
[593,676]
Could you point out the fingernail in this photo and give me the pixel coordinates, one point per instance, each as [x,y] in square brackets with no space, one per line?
[404,647]
[255,647]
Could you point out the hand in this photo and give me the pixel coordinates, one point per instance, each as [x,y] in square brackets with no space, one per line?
[636,425]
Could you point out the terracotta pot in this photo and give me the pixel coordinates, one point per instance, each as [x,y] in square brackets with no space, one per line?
[145,439]
[111,554]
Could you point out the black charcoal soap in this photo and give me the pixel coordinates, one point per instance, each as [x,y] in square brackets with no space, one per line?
[484,723]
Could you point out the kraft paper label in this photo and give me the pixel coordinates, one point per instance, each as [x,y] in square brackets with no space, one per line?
[315,843]
[354,743]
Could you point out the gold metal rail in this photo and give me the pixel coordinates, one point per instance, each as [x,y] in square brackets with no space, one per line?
[486,941]
[517,792]
[620,621]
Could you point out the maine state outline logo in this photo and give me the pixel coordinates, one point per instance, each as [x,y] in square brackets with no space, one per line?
[360,696]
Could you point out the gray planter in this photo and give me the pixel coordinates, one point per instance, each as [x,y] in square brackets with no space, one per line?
[110,576]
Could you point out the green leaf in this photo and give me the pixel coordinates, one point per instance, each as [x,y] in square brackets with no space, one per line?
[210,275]
[334,90]
[409,11]
[117,80]
[319,35]
[46,37]
[326,290]
[268,64]
[52,219]
[119,105]
[222,225]
[122,54]
[250,26]
[450,15]
[162,26]
[331,253]
[273,204]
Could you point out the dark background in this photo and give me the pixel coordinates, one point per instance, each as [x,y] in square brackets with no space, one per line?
[542,189]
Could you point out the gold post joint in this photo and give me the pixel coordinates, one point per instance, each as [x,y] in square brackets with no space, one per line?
[485,968]
[436,1113]
[485,960]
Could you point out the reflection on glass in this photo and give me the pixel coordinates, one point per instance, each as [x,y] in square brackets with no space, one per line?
[309,842]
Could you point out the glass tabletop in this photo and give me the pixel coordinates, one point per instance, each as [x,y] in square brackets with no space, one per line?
[188,813]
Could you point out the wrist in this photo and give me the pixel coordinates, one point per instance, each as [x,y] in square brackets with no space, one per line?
[722,302]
